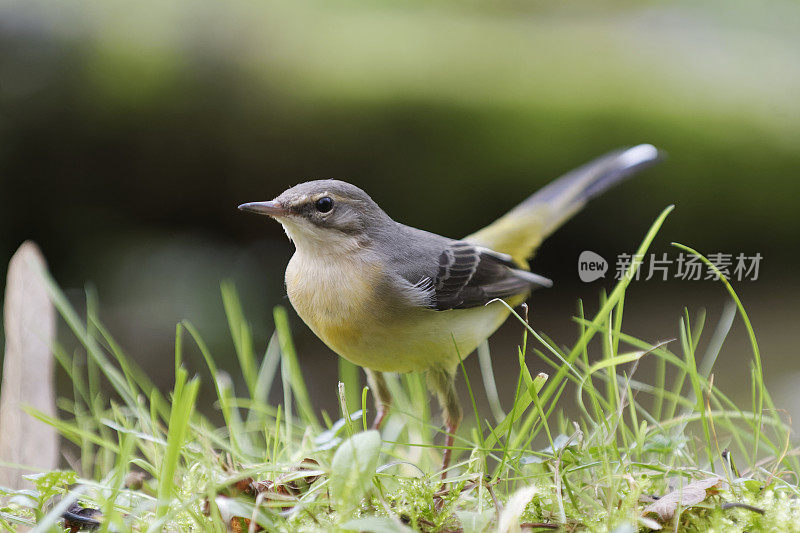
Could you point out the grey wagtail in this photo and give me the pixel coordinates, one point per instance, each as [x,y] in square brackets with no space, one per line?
[392,298]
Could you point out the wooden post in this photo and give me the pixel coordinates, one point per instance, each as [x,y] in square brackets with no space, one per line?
[30,326]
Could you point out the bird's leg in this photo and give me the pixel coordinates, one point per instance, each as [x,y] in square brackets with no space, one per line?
[381,394]
[443,383]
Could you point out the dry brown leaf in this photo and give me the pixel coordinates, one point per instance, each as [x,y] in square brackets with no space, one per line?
[30,326]
[687,496]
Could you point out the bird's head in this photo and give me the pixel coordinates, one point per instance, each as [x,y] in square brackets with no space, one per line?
[324,214]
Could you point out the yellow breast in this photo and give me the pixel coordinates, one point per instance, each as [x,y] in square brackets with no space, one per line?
[345,303]
[334,297]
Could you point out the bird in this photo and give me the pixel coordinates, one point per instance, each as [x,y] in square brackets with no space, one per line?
[393,298]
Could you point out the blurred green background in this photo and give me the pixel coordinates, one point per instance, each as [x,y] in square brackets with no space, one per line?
[129,132]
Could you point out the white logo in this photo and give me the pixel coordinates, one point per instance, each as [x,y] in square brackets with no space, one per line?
[591,266]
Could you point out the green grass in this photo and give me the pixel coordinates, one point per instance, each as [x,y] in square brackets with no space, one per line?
[529,464]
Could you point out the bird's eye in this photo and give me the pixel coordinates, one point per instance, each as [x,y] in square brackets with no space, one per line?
[324,204]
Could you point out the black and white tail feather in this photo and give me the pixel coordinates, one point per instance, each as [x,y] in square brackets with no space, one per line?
[520,231]
[491,264]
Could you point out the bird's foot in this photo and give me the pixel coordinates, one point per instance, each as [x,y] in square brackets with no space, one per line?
[449,440]
[450,435]
[379,417]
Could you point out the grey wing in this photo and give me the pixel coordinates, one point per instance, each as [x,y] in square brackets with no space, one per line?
[472,276]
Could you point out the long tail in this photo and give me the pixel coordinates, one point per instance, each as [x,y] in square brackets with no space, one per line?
[520,231]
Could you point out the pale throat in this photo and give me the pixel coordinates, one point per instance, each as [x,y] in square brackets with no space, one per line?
[310,240]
